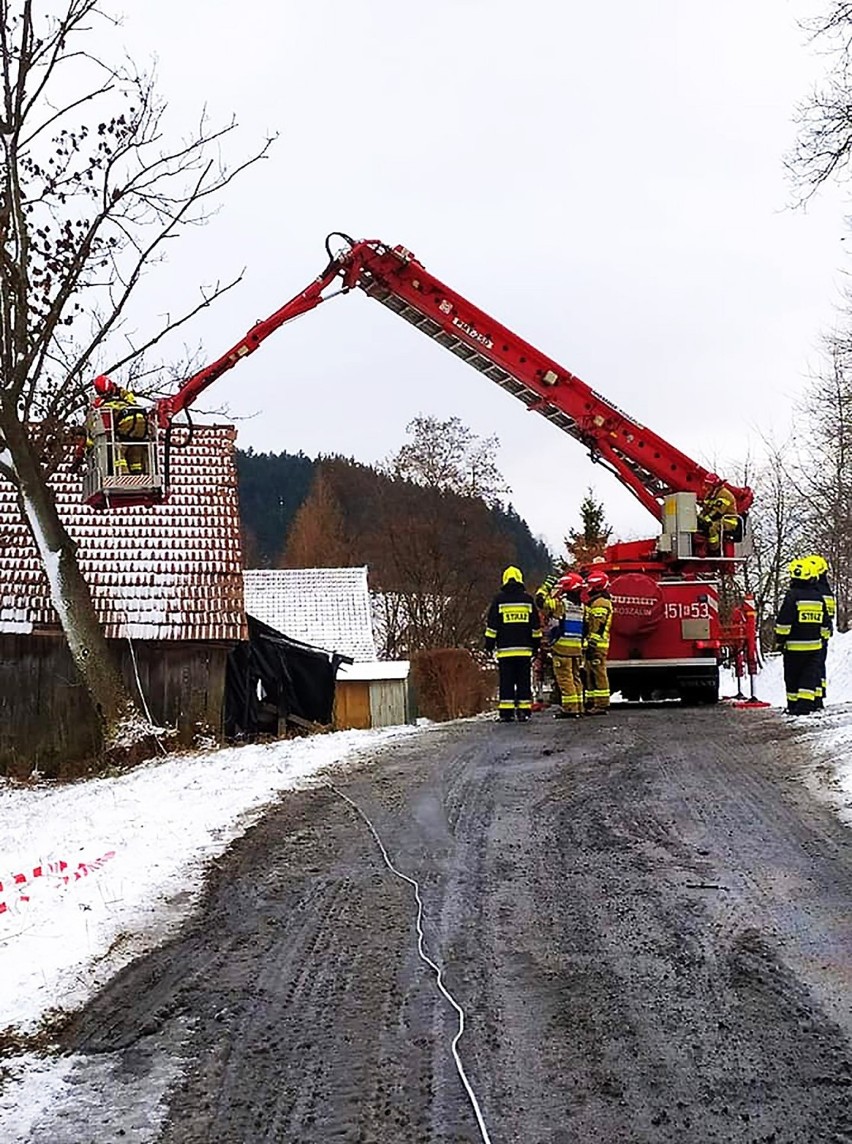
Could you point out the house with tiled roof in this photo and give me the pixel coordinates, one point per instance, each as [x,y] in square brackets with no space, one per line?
[166,581]
[330,608]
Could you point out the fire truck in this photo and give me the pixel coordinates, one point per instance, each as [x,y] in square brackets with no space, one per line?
[677,616]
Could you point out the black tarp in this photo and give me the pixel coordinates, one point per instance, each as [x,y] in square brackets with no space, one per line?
[272,679]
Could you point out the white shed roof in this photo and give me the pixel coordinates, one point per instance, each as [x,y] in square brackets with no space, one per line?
[328,608]
[383,669]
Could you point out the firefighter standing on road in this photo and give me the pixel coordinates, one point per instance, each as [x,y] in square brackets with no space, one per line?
[820,568]
[798,634]
[565,638]
[543,678]
[598,625]
[512,630]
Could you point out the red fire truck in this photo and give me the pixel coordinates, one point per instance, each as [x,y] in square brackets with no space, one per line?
[676,613]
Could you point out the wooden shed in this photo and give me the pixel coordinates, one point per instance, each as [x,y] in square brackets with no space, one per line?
[166,581]
[330,608]
[373,694]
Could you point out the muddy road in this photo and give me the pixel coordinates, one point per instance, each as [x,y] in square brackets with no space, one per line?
[647,920]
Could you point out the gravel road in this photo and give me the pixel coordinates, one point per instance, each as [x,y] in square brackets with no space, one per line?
[647,920]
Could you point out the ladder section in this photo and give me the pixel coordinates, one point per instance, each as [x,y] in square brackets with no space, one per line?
[470,355]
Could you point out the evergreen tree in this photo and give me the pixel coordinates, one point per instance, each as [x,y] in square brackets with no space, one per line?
[591,540]
[272,488]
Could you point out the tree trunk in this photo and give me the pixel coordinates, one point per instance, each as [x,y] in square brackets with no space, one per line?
[69,592]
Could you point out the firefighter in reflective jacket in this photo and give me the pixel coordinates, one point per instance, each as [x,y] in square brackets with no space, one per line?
[512,630]
[718,517]
[565,639]
[820,568]
[130,424]
[543,679]
[798,633]
[598,625]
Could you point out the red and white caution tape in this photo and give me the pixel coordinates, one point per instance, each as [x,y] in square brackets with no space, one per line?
[15,890]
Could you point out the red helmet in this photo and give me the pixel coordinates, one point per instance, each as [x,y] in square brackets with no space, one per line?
[103,385]
[570,582]
[597,581]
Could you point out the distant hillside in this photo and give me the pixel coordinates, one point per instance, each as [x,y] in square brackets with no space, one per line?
[274,486]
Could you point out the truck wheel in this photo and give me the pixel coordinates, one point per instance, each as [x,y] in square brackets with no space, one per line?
[699,692]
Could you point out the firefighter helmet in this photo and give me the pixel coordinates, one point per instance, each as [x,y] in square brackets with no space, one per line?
[512,573]
[597,580]
[103,385]
[570,582]
[819,564]
[801,569]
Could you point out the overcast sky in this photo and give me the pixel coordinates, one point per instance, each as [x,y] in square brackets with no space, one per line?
[605,179]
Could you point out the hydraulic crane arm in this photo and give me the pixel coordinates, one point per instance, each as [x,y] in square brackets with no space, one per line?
[648,465]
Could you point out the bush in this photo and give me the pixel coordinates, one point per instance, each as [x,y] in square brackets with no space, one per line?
[448,683]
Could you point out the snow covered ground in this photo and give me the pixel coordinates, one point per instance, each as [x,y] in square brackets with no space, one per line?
[827,734]
[96,872]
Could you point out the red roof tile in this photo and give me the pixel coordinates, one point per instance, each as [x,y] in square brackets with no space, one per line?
[171,571]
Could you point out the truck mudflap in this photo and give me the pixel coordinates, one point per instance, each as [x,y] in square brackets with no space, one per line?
[694,681]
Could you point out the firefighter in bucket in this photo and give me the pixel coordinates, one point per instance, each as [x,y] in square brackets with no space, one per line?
[130,426]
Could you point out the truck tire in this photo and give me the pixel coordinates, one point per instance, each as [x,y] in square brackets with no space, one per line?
[699,692]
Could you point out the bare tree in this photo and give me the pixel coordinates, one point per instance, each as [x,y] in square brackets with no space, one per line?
[822,470]
[778,525]
[90,193]
[823,146]
[448,456]
[437,560]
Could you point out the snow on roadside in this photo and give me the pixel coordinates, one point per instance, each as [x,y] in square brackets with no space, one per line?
[135,848]
[826,735]
[770,682]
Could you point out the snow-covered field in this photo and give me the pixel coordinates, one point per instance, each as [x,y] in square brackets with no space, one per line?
[96,872]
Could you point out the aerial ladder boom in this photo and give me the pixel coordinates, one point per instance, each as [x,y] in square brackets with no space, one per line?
[668,628]
[642,460]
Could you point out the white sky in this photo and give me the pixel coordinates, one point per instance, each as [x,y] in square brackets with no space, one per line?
[146,860]
[605,179]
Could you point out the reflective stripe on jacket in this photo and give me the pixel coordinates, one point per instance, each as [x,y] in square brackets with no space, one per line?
[599,621]
[824,587]
[801,619]
[512,623]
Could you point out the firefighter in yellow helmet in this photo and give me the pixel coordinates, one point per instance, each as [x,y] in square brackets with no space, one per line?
[798,634]
[512,631]
[718,517]
[820,569]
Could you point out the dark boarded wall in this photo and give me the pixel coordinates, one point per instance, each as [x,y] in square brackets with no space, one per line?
[46,718]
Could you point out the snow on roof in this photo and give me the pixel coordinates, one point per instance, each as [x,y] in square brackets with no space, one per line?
[171,571]
[326,607]
[379,669]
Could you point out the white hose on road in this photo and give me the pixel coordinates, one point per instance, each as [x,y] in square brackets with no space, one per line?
[424,956]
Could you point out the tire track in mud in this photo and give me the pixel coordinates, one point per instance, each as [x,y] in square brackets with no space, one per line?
[763,841]
[647,920]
